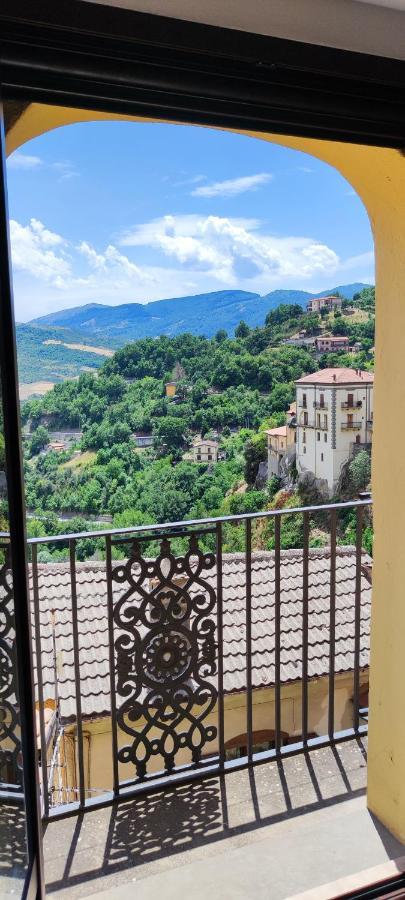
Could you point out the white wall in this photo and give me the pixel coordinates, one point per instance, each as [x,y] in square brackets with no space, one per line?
[348,24]
[333,443]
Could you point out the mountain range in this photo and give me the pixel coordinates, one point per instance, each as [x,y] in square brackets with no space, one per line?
[65,343]
[201,314]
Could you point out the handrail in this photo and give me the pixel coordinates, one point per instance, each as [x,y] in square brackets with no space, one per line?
[186,523]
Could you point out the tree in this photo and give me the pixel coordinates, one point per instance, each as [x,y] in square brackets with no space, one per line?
[242,330]
[360,471]
[169,434]
[39,440]
[255,452]
[221,335]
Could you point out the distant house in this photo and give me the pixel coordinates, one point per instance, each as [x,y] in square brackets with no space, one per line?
[329,342]
[329,303]
[205,450]
[334,420]
[278,441]
[57,446]
[142,439]
[171,389]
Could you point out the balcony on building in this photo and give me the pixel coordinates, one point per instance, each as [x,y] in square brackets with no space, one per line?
[351,404]
[320,404]
[187,696]
[351,426]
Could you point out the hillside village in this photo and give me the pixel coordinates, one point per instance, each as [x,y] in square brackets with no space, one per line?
[189,427]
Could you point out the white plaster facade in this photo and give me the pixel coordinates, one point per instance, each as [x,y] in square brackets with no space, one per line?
[334,417]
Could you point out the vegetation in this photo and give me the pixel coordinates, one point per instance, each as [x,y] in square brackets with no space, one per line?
[232,388]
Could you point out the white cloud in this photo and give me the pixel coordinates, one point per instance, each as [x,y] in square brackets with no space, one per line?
[232,186]
[34,251]
[306,169]
[172,256]
[195,179]
[23,161]
[232,249]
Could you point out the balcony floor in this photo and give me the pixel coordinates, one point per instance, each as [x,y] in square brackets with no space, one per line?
[270,832]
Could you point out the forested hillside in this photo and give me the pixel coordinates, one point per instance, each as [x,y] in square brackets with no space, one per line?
[234,388]
[202,314]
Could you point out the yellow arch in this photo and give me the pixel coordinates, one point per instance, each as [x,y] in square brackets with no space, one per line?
[378,176]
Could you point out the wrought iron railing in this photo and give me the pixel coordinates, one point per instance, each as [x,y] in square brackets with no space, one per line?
[350,426]
[168,605]
[354,404]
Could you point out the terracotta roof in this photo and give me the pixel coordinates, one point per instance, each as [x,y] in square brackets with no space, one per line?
[55,605]
[277,432]
[209,442]
[337,376]
[332,337]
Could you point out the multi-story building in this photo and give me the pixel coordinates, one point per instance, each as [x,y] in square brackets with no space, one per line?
[334,420]
[329,303]
[327,343]
[278,441]
[205,450]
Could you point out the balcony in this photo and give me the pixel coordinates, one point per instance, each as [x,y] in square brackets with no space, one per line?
[357,404]
[318,405]
[187,696]
[351,426]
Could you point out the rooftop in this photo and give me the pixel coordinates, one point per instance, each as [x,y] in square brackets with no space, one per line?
[332,337]
[55,616]
[337,376]
[325,297]
[281,431]
[205,442]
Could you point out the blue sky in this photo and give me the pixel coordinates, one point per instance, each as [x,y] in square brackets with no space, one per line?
[114,212]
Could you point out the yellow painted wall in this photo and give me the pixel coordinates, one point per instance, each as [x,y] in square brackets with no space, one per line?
[378,176]
[98,736]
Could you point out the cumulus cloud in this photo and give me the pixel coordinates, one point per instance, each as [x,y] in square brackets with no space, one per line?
[232,186]
[231,248]
[172,256]
[33,249]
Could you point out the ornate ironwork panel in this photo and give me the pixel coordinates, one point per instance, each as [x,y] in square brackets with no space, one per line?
[165,646]
[10,746]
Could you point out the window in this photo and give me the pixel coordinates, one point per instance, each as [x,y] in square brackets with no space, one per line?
[305,418]
[350,400]
[304,437]
[261,740]
[318,435]
[305,449]
[322,400]
[325,437]
[321,457]
[325,421]
[304,400]
[318,420]
[210,456]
